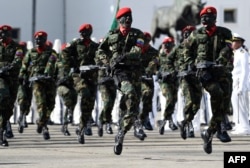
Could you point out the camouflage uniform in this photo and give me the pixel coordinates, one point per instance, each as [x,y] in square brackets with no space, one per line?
[149,66]
[67,92]
[108,92]
[190,86]
[211,75]
[82,53]
[126,72]
[10,63]
[39,66]
[24,97]
[169,86]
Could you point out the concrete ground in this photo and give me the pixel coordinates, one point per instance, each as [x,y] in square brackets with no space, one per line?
[29,150]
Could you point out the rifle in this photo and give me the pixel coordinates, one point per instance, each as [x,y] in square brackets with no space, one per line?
[40,78]
[89,67]
[4,71]
[205,64]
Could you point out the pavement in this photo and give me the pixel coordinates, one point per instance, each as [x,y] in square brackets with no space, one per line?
[30,150]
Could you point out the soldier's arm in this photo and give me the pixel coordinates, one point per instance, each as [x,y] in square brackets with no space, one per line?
[25,65]
[50,66]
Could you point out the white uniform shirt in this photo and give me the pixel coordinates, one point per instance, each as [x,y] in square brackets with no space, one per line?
[240,71]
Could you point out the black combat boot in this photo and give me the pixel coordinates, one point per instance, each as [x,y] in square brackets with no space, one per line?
[183,129]
[119,142]
[69,115]
[147,125]
[171,125]
[138,130]
[161,125]
[25,122]
[65,130]
[109,129]
[222,134]
[190,130]
[8,132]
[20,123]
[100,129]
[39,128]
[46,135]
[3,140]
[207,136]
[80,137]
[88,129]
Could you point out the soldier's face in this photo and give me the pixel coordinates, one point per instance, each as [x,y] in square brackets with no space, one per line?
[126,21]
[40,41]
[86,33]
[208,20]
[4,35]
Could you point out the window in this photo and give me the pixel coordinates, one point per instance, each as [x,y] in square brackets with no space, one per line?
[230,15]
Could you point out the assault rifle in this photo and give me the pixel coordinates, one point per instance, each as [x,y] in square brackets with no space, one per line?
[89,67]
[40,78]
[4,71]
[207,64]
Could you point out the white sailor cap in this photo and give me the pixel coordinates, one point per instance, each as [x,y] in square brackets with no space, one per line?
[237,37]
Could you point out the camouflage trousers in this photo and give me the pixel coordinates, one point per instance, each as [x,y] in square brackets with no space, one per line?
[8,93]
[192,92]
[108,95]
[69,98]
[169,91]
[87,90]
[219,88]
[44,94]
[147,92]
[129,103]
[24,98]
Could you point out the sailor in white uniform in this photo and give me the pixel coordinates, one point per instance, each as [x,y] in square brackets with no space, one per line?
[239,97]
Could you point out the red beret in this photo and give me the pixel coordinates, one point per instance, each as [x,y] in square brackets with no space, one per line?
[122,12]
[5,28]
[23,43]
[147,35]
[41,33]
[168,40]
[188,28]
[208,10]
[85,27]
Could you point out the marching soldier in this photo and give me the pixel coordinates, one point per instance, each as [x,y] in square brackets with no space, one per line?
[39,67]
[168,83]
[80,54]
[66,91]
[10,63]
[108,91]
[125,45]
[208,41]
[189,84]
[24,97]
[150,63]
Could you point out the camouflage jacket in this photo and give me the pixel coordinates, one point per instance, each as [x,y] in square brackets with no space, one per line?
[125,50]
[36,64]
[11,55]
[208,47]
[149,61]
[78,53]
